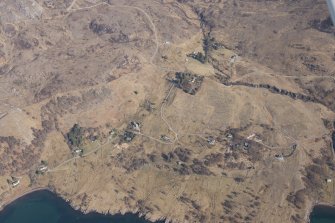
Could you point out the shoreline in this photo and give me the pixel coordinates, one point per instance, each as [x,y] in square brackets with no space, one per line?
[13,199]
[68,201]
[311,208]
[31,190]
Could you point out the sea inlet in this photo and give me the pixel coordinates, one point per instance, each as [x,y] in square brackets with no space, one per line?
[44,206]
[322,214]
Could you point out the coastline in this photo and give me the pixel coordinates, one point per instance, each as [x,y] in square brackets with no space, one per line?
[309,212]
[315,204]
[10,200]
[13,199]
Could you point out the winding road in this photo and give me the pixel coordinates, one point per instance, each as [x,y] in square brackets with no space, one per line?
[153,26]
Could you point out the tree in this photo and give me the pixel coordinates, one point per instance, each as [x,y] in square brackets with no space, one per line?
[75,136]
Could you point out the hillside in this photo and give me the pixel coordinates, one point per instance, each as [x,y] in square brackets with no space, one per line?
[188,110]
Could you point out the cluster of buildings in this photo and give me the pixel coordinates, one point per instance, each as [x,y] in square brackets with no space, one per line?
[188,82]
[130,133]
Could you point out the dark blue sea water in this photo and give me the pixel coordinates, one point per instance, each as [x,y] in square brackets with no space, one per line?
[323,214]
[46,207]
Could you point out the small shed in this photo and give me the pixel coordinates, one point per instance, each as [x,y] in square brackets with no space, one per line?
[211,141]
[14,182]
[42,168]
[128,136]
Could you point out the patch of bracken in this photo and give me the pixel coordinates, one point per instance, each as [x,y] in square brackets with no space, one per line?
[213,159]
[183,154]
[199,168]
